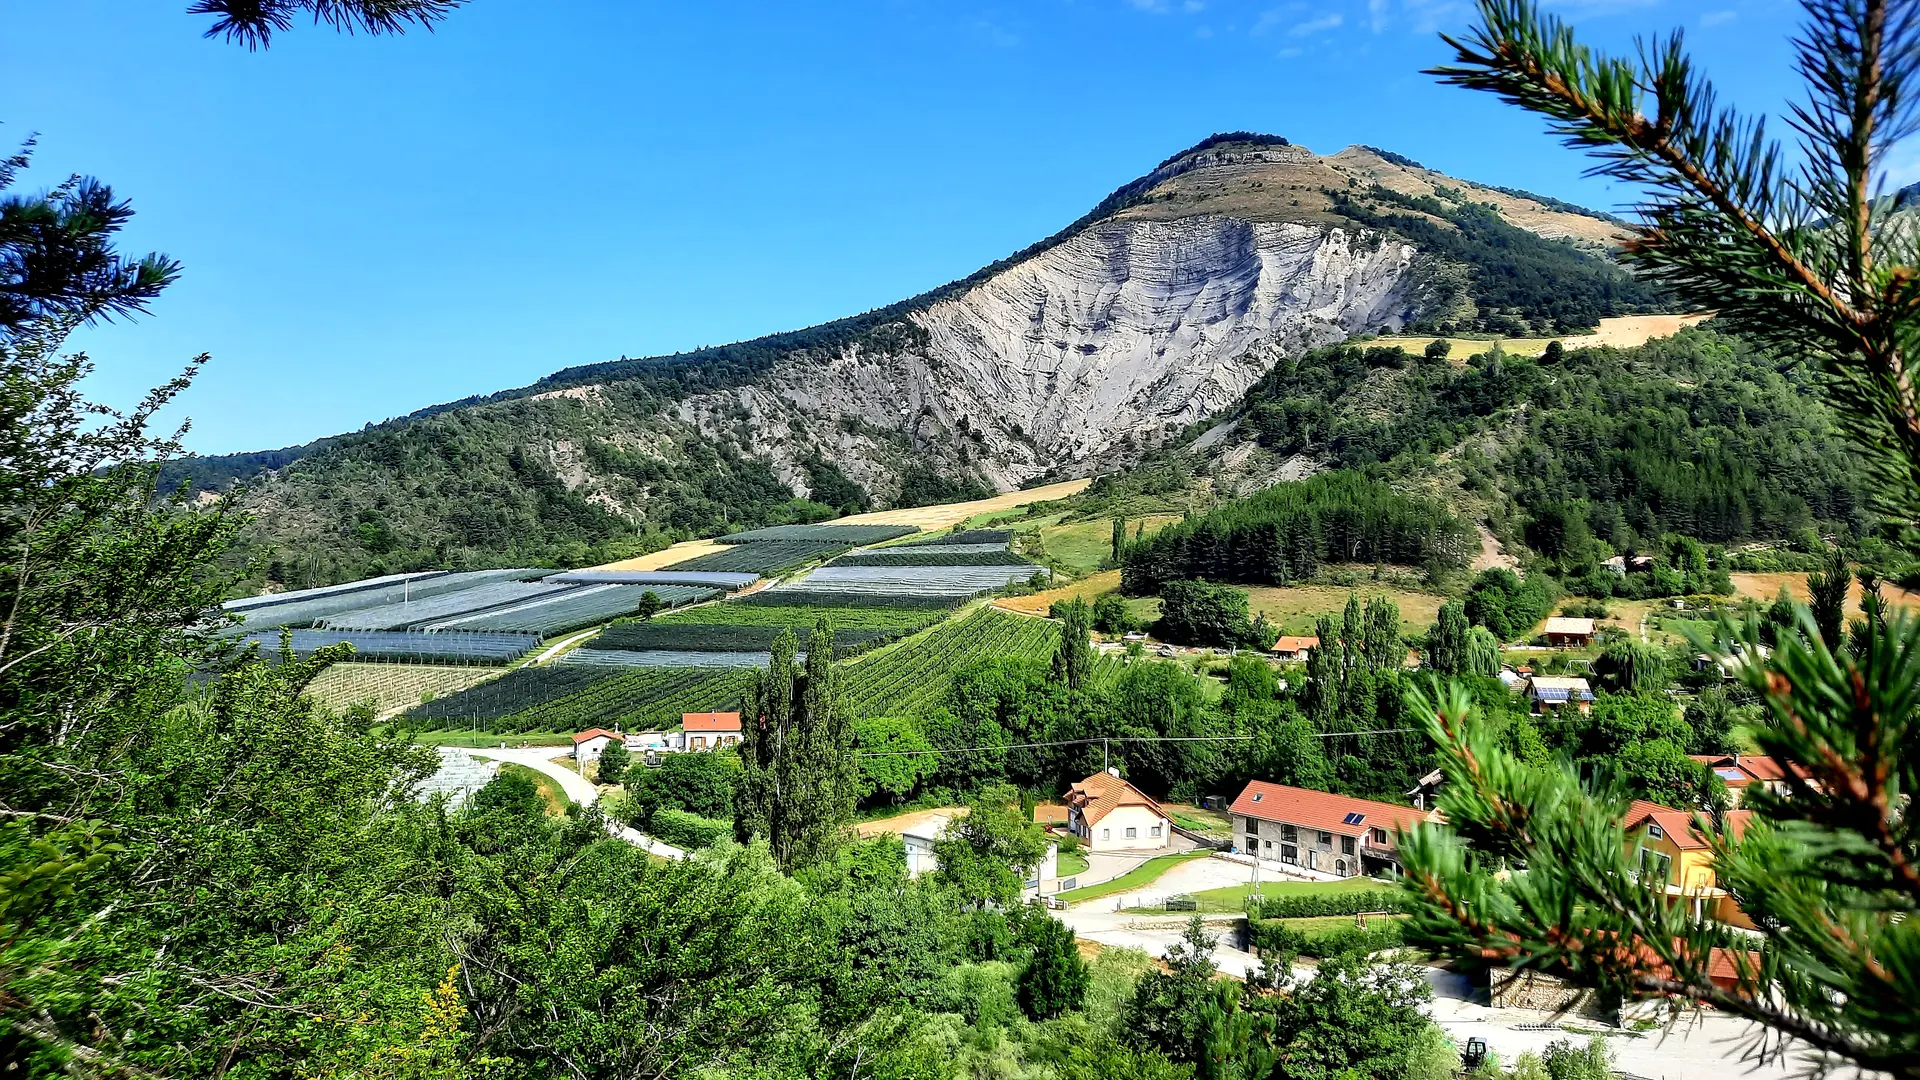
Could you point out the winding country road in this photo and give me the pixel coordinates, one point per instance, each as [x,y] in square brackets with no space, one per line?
[541,760]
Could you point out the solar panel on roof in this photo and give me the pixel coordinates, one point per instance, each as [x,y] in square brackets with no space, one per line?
[1353,819]
[1730,774]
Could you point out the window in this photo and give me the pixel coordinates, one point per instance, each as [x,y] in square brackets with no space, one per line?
[1269,844]
[1324,839]
[1155,831]
[1133,832]
[699,743]
[1289,854]
[1656,831]
[1340,867]
[1253,827]
[1379,837]
[1655,867]
[1288,832]
[1346,845]
[1106,834]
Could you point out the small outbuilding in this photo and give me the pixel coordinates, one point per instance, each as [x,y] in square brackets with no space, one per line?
[1565,632]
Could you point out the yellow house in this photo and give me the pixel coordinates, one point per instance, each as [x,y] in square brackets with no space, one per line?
[1675,857]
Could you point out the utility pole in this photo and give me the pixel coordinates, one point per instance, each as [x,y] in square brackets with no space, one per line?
[1106,755]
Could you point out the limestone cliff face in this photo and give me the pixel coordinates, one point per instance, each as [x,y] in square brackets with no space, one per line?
[1078,358]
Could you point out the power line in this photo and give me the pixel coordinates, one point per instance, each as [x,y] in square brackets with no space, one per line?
[1150,739]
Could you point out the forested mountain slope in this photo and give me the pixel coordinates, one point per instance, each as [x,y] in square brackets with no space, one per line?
[1155,311]
[1699,434]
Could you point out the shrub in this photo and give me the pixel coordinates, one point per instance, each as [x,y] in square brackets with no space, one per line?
[1279,936]
[690,831]
[1319,905]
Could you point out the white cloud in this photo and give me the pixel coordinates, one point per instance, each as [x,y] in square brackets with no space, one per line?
[1715,18]
[1290,52]
[1315,26]
[1203,32]
[1193,6]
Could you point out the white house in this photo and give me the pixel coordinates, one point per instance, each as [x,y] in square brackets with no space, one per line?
[1113,815]
[1333,834]
[918,841]
[710,730]
[588,744]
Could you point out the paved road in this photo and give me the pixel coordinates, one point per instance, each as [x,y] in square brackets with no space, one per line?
[1705,1048]
[541,759]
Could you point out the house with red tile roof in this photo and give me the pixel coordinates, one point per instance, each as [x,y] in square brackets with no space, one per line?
[1674,857]
[1742,772]
[710,730]
[1315,830]
[1294,649]
[1110,814]
[588,744]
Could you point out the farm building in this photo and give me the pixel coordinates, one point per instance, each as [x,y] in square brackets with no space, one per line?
[1050,814]
[1113,815]
[1564,632]
[1551,693]
[710,730]
[1294,649]
[588,744]
[1333,834]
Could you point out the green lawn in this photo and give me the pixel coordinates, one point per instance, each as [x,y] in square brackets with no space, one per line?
[1234,897]
[1072,864]
[550,791]
[1140,875]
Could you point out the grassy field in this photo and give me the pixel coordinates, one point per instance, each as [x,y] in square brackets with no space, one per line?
[1621,332]
[549,788]
[1210,822]
[1143,874]
[1234,897]
[1295,608]
[1086,589]
[1072,864]
[1085,546]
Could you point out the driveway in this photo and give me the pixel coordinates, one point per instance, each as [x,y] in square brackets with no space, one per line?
[544,760]
[1192,876]
[1705,1047]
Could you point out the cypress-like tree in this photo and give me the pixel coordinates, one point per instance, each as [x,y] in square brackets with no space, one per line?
[1119,540]
[1381,641]
[1325,665]
[1447,641]
[798,778]
[1073,657]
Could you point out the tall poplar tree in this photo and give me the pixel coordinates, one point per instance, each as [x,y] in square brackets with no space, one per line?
[798,779]
[1073,658]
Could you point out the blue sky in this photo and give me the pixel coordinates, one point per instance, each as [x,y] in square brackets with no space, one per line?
[374,225]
